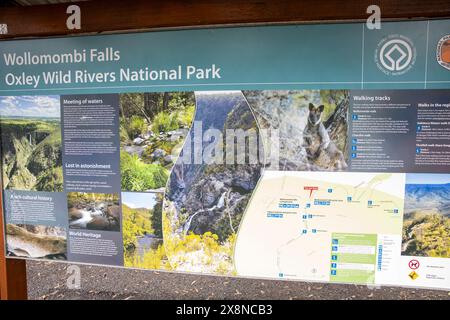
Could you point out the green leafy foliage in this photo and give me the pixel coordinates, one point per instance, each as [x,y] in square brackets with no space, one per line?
[152,259]
[188,249]
[150,116]
[164,121]
[137,126]
[136,222]
[140,176]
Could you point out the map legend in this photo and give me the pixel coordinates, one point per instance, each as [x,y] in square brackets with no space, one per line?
[353,257]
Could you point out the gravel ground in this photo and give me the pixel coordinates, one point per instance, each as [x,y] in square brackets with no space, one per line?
[47,280]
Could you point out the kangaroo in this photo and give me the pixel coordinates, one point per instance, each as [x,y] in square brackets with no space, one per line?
[320,149]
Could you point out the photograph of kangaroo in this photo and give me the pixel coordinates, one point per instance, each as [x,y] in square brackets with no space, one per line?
[152,129]
[94,211]
[142,230]
[31,143]
[308,128]
[426,222]
[36,241]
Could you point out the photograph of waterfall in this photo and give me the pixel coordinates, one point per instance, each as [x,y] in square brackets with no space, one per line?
[94,211]
[211,184]
[31,143]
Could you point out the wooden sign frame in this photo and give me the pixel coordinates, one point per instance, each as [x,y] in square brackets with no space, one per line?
[107,16]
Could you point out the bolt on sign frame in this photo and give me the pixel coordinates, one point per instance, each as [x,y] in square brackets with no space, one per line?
[140,15]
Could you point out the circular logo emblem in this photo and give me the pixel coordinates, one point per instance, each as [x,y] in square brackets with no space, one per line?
[413,264]
[395,55]
[443,52]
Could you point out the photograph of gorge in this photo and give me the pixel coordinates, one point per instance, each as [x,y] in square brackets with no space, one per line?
[94,211]
[36,241]
[311,127]
[205,200]
[152,129]
[31,143]
[426,222]
[142,230]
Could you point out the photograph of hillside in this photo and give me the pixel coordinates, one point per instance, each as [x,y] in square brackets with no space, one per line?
[426,222]
[311,127]
[152,129]
[31,143]
[94,211]
[36,241]
[204,202]
[142,230]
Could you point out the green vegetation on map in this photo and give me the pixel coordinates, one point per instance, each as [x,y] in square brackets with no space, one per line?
[360,256]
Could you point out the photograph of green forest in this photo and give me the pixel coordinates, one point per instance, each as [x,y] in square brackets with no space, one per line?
[142,230]
[31,143]
[152,130]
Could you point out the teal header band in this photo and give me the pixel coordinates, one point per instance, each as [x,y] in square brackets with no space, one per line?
[401,55]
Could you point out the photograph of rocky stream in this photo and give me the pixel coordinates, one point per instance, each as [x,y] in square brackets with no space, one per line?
[152,129]
[94,211]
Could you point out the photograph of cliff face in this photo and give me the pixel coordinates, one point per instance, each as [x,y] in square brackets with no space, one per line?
[152,129]
[426,222]
[211,184]
[142,230]
[36,241]
[31,143]
[94,211]
[303,130]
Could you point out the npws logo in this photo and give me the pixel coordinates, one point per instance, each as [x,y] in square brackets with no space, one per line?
[443,52]
[395,55]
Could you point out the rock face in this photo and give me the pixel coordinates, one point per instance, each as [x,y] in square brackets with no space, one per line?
[75,213]
[282,117]
[36,241]
[282,121]
[113,212]
[99,223]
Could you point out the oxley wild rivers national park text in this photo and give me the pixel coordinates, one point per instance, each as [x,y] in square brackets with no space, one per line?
[81,76]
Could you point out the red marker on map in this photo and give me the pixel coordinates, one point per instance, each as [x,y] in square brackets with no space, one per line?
[311,189]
